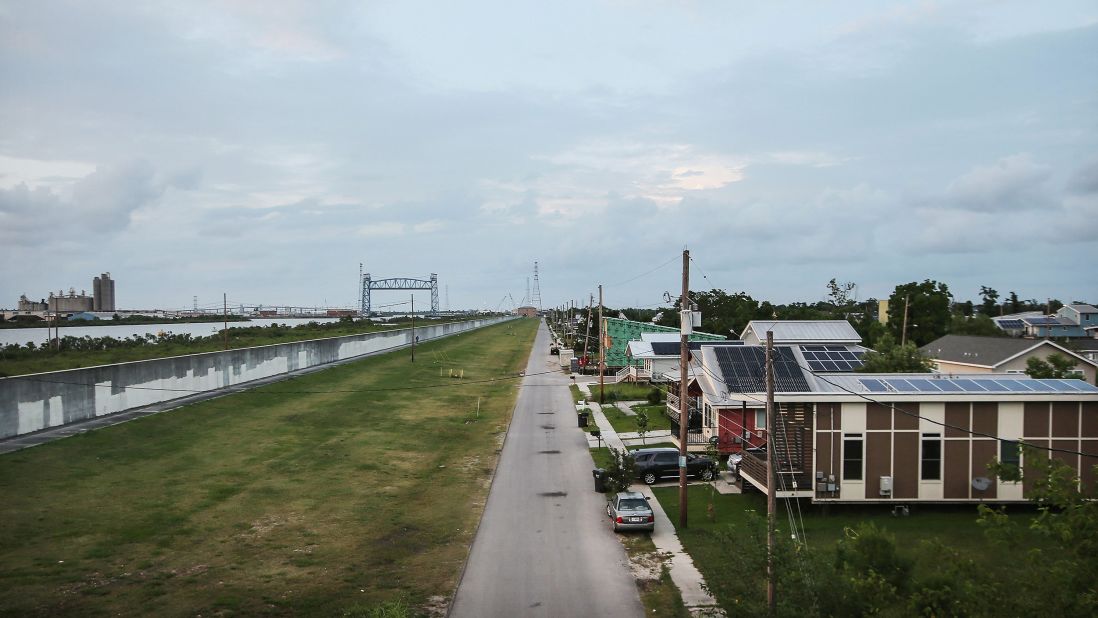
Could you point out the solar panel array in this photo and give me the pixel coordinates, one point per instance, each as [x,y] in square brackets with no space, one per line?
[1042,321]
[825,358]
[1011,324]
[964,385]
[743,370]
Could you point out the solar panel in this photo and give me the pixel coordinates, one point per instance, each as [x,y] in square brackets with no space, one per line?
[993,386]
[1016,385]
[923,385]
[1040,386]
[744,370]
[900,385]
[874,386]
[1011,324]
[970,386]
[1042,321]
[948,385]
[830,358]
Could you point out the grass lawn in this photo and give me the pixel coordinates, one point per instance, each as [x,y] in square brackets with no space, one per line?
[625,391]
[24,362]
[953,525]
[271,502]
[657,418]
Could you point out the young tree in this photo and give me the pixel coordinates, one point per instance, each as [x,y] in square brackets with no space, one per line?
[642,424]
[620,472]
[979,325]
[1055,366]
[890,357]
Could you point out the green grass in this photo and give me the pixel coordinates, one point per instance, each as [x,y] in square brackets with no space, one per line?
[624,391]
[955,526]
[660,597]
[272,502]
[22,363]
[621,422]
[577,394]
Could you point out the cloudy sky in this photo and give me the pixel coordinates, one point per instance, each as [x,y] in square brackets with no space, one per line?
[265,149]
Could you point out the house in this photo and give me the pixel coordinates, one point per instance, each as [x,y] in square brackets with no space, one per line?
[971,354]
[617,333]
[656,354]
[1077,320]
[847,437]
[800,331]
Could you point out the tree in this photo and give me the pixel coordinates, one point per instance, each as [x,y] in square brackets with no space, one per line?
[642,424]
[1068,519]
[979,325]
[620,472]
[990,296]
[1055,366]
[892,358]
[1013,304]
[928,315]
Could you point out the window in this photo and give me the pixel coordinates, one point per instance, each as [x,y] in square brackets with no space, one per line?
[708,416]
[1009,453]
[932,457]
[852,457]
[760,420]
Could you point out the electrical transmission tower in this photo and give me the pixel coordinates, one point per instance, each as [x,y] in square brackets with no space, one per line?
[535,300]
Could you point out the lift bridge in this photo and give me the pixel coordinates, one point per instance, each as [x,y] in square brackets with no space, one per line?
[399,283]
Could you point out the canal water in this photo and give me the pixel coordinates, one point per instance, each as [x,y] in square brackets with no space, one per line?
[196,329]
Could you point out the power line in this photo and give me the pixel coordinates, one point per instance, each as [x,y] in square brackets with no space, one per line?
[643,274]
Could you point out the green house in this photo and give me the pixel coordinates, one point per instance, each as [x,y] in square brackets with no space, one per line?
[619,333]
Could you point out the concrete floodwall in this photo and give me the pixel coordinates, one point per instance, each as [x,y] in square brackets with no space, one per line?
[34,402]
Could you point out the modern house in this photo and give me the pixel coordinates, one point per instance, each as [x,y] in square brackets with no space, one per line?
[893,438]
[970,354]
[656,354]
[1075,321]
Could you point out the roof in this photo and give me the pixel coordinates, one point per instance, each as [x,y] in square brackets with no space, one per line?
[804,331]
[986,351]
[732,377]
[1082,308]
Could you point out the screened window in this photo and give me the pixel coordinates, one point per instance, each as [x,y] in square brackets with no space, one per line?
[1009,453]
[932,457]
[852,456]
[760,420]
[708,416]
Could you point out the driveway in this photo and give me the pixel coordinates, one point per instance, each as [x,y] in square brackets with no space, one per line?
[544,546]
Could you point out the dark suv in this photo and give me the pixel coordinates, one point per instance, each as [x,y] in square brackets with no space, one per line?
[652,464]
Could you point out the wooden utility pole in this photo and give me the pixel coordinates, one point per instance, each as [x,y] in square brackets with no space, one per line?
[602,352]
[413,328]
[685,327]
[771,454]
[587,333]
[903,335]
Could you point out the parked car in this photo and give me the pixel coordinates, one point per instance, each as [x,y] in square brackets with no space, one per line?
[629,510]
[652,464]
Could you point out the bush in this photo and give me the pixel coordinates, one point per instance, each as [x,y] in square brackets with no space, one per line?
[655,396]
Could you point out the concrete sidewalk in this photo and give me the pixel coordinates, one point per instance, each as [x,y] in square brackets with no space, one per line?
[686,576]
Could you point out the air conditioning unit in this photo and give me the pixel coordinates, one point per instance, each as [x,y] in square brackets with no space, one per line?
[886,485]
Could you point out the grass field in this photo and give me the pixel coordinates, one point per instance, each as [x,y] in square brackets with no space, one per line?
[24,362]
[274,502]
[954,526]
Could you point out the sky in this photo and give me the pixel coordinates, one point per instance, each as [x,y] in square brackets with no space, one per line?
[263,149]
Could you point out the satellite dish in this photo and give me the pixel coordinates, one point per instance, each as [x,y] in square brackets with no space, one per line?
[981,483]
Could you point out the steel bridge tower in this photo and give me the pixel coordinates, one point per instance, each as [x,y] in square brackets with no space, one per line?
[398,283]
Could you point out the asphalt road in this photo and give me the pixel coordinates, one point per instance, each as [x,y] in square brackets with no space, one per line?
[544,546]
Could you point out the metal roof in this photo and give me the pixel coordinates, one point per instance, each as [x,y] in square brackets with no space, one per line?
[803,331]
[1083,308]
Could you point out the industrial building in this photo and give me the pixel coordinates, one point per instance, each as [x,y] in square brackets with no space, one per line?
[69,304]
[103,293]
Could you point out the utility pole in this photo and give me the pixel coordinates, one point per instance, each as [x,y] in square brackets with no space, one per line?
[602,352]
[903,335]
[413,328]
[686,325]
[225,315]
[587,333]
[771,454]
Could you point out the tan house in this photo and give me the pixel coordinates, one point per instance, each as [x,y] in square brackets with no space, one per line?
[969,354]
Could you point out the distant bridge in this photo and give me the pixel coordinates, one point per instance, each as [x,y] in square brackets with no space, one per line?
[398,283]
